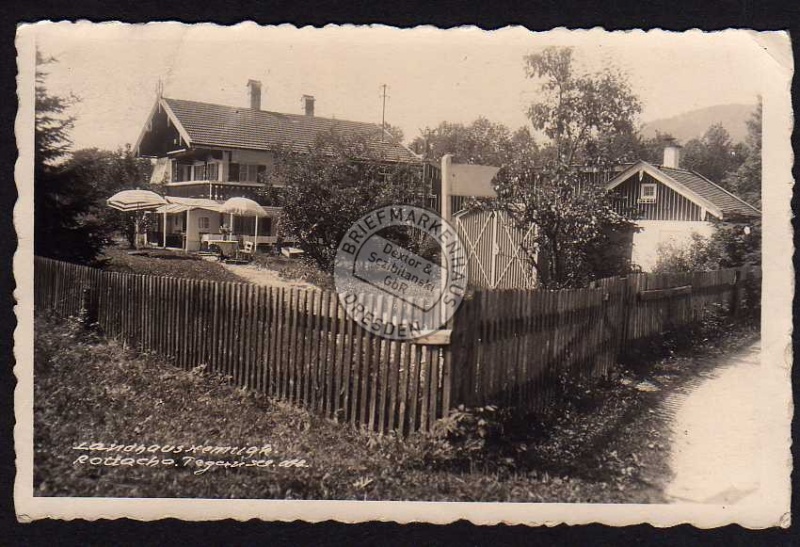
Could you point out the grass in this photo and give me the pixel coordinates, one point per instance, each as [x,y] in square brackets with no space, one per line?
[165,263]
[296,269]
[601,446]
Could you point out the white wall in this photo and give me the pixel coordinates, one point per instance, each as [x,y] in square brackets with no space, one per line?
[193,230]
[654,232]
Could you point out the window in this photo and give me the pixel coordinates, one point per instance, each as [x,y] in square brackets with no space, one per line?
[242,172]
[181,172]
[647,193]
[233,172]
[212,171]
[248,172]
[203,223]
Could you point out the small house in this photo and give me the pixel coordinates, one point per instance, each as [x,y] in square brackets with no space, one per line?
[672,204]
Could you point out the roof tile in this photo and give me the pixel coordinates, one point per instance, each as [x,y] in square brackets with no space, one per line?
[228,126]
[724,200]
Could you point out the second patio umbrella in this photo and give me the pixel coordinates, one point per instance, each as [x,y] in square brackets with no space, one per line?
[244,207]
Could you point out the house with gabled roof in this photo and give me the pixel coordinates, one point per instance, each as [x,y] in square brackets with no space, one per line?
[213,152]
[672,204]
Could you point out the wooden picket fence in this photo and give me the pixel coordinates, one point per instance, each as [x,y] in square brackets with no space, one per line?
[513,347]
[507,347]
[296,345]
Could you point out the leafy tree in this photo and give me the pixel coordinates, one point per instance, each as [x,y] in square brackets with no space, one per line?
[576,226]
[589,119]
[584,115]
[714,156]
[482,142]
[395,133]
[746,180]
[332,184]
[731,245]
[109,172]
[652,149]
[66,223]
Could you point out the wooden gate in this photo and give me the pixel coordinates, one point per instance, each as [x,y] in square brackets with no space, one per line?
[496,256]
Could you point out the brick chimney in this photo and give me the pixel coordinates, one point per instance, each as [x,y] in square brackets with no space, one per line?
[308,104]
[672,156]
[255,94]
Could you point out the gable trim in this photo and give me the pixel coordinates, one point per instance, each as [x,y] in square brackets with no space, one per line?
[147,126]
[174,119]
[160,103]
[666,180]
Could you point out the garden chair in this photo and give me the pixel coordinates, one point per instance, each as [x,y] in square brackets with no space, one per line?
[243,255]
[248,251]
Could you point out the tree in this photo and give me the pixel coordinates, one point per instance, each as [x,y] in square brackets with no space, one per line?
[746,180]
[482,141]
[589,120]
[395,133]
[576,226]
[714,156]
[332,184]
[651,149]
[66,224]
[109,172]
[582,115]
[730,246]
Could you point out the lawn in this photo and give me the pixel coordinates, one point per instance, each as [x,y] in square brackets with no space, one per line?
[601,446]
[177,264]
[295,269]
[165,263]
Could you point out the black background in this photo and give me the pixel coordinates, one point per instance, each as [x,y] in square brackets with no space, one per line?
[535,15]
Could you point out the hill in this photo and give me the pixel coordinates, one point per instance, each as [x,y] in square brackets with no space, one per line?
[694,124]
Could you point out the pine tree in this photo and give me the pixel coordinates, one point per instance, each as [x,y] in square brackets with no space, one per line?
[66,226]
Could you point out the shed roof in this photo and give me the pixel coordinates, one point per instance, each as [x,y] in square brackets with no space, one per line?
[695,187]
[208,124]
[728,203]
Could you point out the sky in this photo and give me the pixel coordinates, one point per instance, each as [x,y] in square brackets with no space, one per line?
[432,75]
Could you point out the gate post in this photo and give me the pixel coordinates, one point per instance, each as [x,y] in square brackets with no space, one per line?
[495,251]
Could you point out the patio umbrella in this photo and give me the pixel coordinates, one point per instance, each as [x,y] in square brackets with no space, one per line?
[135,200]
[244,207]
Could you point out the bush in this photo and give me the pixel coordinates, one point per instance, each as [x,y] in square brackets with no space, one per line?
[307,270]
[731,246]
[469,435]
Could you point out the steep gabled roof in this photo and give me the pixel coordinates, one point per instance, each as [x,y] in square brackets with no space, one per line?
[215,125]
[694,187]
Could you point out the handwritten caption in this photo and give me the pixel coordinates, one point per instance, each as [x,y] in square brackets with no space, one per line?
[199,457]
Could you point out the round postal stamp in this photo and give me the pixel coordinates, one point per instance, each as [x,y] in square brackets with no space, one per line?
[385,283]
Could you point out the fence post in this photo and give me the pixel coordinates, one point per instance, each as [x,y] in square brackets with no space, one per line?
[87,315]
[739,285]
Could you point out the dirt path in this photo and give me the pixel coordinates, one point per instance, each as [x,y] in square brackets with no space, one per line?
[714,446]
[266,277]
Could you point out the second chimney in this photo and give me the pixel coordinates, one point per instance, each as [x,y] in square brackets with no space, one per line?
[255,94]
[672,156]
[308,104]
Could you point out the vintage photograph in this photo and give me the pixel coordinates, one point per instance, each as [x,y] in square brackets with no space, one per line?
[494,270]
